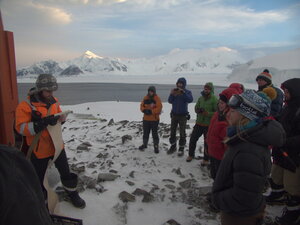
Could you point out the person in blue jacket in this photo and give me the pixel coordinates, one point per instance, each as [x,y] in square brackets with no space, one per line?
[179,98]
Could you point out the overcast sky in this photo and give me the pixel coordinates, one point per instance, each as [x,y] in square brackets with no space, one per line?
[64,29]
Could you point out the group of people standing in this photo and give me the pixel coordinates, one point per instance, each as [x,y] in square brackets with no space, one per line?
[242,130]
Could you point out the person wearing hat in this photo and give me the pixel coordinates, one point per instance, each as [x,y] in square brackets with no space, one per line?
[285,175]
[217,131]
[32,119]
[238,186]
[264,80]
[205,107]
[179,97]
[151,107]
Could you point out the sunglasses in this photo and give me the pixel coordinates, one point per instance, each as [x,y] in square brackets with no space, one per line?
[236,101]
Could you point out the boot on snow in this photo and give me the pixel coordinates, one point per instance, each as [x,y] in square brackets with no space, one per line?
[172,149]
[156,149]
[180,151]
[142,147]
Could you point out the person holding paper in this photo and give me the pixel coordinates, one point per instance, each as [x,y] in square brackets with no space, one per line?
[34,120]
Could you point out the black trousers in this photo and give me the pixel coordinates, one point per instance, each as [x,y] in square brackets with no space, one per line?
[147,127]
[61,163]
[197,132]
[214,167]
[181,121]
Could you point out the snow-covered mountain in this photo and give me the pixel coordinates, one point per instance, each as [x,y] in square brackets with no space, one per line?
[282,66]
[191,61]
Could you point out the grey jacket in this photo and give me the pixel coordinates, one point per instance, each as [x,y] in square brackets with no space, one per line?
[237,189]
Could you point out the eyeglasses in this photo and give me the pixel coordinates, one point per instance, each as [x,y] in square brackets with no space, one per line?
[236,101]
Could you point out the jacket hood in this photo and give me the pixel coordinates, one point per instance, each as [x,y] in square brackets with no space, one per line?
[293,86]
[226,94]
[153,89]
[267,133]
[210,85]
[182,80]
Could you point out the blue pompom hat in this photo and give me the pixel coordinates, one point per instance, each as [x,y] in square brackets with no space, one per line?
[254,105]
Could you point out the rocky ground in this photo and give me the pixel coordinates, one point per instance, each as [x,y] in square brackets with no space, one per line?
[105,155]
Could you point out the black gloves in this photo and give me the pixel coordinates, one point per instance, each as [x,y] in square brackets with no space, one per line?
[51,120]
[42,123]
[147,111]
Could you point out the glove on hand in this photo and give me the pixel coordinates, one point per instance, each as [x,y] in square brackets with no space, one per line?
[51,120]
[147,111]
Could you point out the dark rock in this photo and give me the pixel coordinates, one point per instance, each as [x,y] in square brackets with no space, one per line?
[140,191]
[83,147]
[170,186]
[111,122]
[187,183]
[107,177]
[168,180]
[126,197]
[171,222]
[131,174]
[126,138]
[148,197]
[113,171]
[130,183]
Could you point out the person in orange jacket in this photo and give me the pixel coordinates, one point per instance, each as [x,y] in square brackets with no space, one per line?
[33,117]
[151,107]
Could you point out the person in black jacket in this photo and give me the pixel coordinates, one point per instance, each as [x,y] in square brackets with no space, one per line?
[238,186]
[21,198]
[285,176]
[264,80]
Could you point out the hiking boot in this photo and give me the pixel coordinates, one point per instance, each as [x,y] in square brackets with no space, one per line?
[276,198]
[189,159]
[289,217]
[171,150]
[180,151]
[156,150]
[76,200]
[142,147]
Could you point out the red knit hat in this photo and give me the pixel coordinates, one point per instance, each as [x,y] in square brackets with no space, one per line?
[266,76]
[226,94]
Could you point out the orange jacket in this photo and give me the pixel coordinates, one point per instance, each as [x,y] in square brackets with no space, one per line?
[152,104]
[24,125]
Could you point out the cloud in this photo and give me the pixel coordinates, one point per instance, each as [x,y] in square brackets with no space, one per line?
[57,15]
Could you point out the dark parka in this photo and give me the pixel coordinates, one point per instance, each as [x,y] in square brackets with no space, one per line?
[21,198]
[237,189]
[290,120]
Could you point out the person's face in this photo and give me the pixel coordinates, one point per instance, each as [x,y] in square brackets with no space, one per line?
[179,85]
[234,117]
[261,82]
[47,95]
[207,91]
[222,105]
[287,95]
[151,93]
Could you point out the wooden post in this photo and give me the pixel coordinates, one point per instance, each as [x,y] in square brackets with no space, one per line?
[8,86]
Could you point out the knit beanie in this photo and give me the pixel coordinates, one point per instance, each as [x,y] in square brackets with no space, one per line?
[46,82]
[255,105]
[266,76]
[152,88]
[226,94]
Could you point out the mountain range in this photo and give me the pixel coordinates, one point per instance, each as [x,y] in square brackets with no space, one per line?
[190,61]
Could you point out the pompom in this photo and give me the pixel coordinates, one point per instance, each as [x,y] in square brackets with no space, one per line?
[270,92]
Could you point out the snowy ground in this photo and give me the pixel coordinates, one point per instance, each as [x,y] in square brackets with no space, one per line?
[172,188]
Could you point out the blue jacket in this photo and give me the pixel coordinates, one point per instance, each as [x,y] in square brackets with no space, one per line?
[277,103]
[180,102]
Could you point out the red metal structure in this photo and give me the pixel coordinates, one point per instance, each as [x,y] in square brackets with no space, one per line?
[8,86]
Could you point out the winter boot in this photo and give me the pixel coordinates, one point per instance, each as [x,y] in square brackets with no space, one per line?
[291,213]
[76,200]
[156,149]
[277,196]
[70,185]
[189,159]
[142,147]
[180,151]
[172,149]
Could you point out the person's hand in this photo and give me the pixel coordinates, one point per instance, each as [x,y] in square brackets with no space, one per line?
[174,91]
[147,111]
[51,120]
[62,118]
